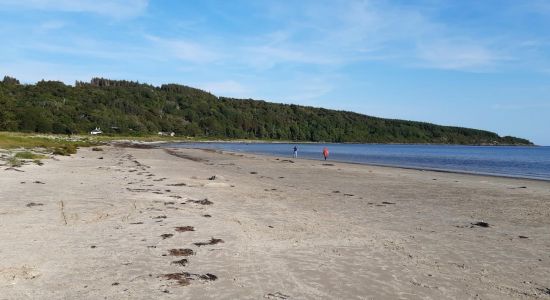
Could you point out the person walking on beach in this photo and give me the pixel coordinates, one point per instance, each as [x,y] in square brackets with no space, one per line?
[295,155]
[325,153]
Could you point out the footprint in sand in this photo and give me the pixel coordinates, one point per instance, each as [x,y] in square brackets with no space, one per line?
[13,274]
[184,228]
[212,241]
[180,252]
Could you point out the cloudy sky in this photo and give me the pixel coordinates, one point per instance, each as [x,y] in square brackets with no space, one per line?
[482,64]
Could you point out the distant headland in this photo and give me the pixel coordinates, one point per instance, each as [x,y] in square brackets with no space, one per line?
[133,108]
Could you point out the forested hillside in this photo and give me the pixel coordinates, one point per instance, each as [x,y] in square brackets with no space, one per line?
[126,107]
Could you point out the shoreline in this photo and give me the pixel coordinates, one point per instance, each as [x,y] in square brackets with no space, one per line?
[160,145]
[113,223]
[349,143]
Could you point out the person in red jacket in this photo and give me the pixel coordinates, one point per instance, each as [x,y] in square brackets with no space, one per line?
[325,153]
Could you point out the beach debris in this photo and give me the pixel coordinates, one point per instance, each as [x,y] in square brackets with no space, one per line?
[207,216]
[13,169]
[93,246]
[138,190]
[136,223]
[115,283]
[253,172]
[523,237]
[166,235]
[31,204]
[184,278]
[136,145]
[481,224]
[288,161]
[212,241]
[204,201]
[544,290]
[208,276]
[179,277]
[160,217]
[212,177]
[181,252]
[38,182]
[329,165]
[185,228]
[185,156]
[101,157]
[349,195]
[177,184]
[182,262]
[277,295]
[385,202]
[169,203]
[336,192]
[97,149]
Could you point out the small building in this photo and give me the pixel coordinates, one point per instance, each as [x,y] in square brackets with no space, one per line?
[97,130]
[165,133]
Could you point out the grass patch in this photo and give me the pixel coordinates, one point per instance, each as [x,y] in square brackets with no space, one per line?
[58,144]
[14,162]
[65,150]
[29,155]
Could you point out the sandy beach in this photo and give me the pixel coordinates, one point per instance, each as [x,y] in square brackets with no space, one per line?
[138,223]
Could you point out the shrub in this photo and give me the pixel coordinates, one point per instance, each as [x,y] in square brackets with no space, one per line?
[65,150]
[14,162]
[28,155]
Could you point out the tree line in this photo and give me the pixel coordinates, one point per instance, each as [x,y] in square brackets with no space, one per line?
[133,108]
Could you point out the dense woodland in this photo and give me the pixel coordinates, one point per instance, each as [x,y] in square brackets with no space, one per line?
[132,108]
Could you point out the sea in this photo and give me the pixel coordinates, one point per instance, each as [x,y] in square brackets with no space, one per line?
[508,161]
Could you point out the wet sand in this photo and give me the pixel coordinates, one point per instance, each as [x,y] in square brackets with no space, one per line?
[129,223]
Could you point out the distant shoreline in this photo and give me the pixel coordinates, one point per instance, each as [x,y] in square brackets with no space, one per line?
[371,163]
[345,143]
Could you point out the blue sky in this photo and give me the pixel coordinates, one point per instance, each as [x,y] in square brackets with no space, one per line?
[481,64]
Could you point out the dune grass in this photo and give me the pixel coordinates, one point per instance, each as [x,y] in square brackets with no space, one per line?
[14,162]
[57,144]
[29,155]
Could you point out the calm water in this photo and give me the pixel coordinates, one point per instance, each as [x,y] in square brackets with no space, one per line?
[527,162]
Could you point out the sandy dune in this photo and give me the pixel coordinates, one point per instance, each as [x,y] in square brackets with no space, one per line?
[129,223]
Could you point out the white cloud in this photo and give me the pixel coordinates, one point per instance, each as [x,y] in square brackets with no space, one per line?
[456,54]
[522,105]
[340,33]
[184,49]
[51,25]
[267,56]
[228,88]
[118,9]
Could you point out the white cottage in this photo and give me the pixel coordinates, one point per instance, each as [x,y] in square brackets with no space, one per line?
[97,130]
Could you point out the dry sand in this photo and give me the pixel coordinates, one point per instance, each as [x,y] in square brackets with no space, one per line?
[82,227]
